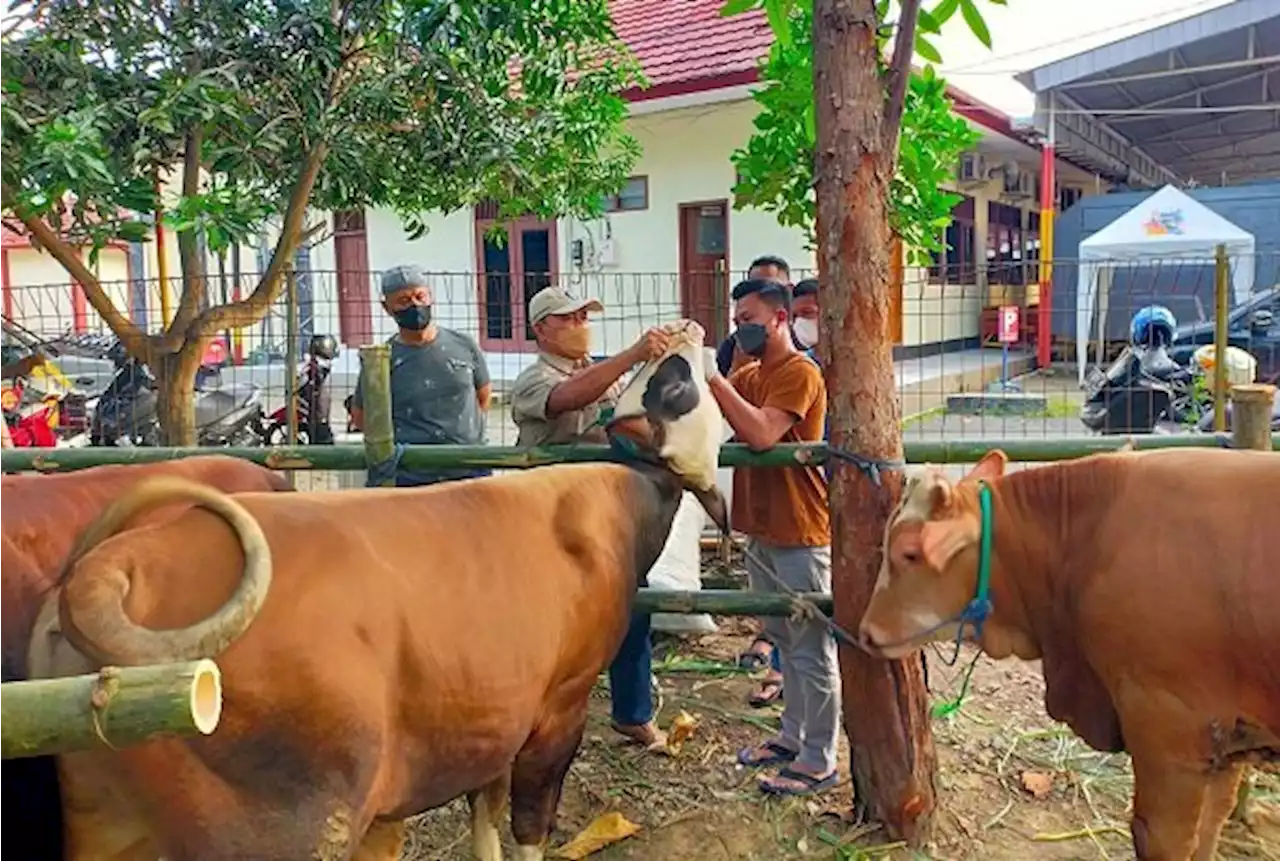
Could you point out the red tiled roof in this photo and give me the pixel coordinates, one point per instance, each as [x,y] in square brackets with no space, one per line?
[685,46]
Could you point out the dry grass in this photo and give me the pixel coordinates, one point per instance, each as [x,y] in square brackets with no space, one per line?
[702,805]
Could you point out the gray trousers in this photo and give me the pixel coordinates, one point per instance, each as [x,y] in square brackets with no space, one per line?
[811,710]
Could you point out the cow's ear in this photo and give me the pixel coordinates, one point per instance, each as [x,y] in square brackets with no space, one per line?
[940,494]
[990,465]
[941,540]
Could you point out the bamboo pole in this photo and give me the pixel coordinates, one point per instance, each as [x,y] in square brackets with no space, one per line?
[375,385]
[726,602]
[1251,415]
[1221,282]
[1250,428]
[116,707]
[291,355]
[353,457]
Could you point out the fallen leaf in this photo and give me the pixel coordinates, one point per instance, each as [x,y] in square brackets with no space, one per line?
[605,830]
[681,729]
[1037,783]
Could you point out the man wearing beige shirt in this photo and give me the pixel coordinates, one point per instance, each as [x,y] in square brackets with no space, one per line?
[563,398]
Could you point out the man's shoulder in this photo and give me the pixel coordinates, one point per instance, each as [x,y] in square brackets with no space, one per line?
[455,339]
[534,374]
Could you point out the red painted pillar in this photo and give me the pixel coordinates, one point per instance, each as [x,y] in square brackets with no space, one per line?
[1048,202]
[7,286]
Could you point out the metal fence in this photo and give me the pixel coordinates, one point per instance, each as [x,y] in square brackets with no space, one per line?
[966,336]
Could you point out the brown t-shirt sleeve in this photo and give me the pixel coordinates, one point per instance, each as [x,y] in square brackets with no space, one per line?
[794,389]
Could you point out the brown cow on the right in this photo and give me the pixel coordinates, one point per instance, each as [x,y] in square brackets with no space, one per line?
[1149,586]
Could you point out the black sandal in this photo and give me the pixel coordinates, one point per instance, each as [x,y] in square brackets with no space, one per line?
[755,660]
[770,691]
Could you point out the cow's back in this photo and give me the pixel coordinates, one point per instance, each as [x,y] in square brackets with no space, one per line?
[1185,582]
[488,599]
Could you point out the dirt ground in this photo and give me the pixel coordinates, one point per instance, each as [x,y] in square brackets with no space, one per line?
[1013,784]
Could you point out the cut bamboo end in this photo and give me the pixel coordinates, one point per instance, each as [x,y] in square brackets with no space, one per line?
[206,697]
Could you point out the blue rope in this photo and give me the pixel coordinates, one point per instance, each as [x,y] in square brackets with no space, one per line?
[378,473]
[870,466]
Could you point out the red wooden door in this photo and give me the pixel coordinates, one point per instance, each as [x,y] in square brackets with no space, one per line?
[704,250]
[351,250]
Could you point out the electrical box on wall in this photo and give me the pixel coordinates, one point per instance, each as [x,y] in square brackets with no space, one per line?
[607,253]
[577,253]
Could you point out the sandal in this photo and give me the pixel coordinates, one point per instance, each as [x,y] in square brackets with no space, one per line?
[647,735]
[810,784]
[776,756]
[770,691]
[756,659]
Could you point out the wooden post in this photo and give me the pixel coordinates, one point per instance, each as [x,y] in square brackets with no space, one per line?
[116,707]
[375,386]
[1221,283]
[1251,415]
[885,703]
[162,263]
[1250,428]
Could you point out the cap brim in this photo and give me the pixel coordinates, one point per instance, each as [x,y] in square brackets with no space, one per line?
[589,304]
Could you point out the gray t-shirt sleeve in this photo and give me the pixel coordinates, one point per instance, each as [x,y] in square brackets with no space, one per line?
[481,367]
[531,391]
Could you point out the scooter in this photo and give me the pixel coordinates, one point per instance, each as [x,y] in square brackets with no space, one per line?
[1145,391]
[125,415]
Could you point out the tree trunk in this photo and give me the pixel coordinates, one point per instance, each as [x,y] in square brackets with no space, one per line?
[886,707]
[175,393]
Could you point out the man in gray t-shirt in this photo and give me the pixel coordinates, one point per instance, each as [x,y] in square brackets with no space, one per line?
[440,386]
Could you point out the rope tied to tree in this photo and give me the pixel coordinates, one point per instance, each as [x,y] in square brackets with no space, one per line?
[105,688]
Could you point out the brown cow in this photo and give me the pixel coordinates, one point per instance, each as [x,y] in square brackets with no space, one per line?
[383,651]
[43,516]
[1147,585]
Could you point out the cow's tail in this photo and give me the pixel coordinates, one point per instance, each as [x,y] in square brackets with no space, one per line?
[92,603]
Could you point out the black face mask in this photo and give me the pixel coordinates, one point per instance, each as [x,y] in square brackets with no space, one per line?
[752,338]
[415,318]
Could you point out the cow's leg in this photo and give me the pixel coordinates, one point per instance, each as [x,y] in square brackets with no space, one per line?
[1219,799]
[382,842]
[488,804]
[537,778]
[1167,798]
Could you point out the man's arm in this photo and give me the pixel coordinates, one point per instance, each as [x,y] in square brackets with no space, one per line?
[588,385]
[483,384]
[763,427]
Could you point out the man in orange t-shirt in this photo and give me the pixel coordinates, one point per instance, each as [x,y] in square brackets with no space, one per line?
[783,512]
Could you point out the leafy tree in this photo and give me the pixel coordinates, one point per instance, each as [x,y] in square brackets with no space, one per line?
[830,125]
[269,108]
[776,166]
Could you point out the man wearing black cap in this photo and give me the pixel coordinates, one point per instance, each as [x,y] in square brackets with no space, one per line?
[440,385]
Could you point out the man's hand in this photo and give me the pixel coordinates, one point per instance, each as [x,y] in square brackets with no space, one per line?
[652,344]
[710,367]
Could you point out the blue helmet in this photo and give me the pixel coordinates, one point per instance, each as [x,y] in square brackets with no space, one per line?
[1152,326]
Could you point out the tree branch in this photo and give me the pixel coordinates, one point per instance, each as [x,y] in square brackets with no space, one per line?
[193,285]
[133,338]
[900,71]
[237,315]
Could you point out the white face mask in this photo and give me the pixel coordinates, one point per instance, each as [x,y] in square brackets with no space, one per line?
[806,330]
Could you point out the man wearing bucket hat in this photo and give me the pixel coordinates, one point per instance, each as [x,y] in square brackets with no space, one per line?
[440,385]
[562,398]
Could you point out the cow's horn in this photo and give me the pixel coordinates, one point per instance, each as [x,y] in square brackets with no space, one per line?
[92,604]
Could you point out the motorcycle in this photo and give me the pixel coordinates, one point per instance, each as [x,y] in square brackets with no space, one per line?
[125,415]
[313,399]
[1146,391]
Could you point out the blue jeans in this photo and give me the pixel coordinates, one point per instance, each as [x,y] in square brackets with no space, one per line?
[630,675]
[422,479]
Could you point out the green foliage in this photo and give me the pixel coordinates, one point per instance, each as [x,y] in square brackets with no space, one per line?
[417,105]
[776,167]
